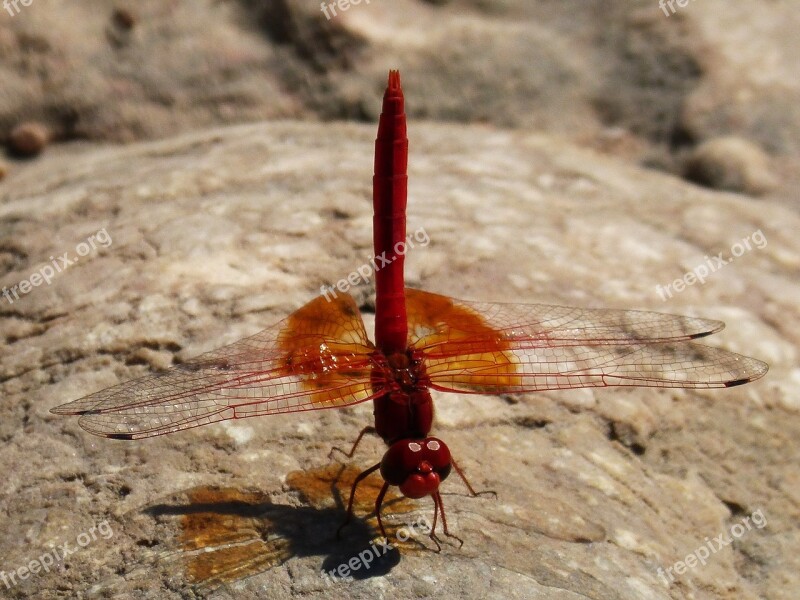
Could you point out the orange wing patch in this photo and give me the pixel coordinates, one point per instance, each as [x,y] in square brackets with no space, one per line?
[458,340]
[325,343]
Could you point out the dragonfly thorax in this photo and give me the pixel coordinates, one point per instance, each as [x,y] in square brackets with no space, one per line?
[405,412]
[418,466]
[405,370]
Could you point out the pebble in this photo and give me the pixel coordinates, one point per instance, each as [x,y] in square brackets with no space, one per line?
[28,139]
[733,164]
[123,18]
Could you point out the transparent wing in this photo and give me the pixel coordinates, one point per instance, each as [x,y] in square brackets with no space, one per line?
[318,357]
[500,348]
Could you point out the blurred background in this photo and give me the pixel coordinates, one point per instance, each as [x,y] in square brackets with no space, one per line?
[709,91]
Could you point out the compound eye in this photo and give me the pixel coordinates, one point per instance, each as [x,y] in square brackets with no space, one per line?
[402,459]
[412,465]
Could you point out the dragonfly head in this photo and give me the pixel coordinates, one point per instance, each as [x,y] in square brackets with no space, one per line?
[418,466]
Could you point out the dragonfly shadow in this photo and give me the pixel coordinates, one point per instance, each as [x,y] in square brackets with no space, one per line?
[227,534]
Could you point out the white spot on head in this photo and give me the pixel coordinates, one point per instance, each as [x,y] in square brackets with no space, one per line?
[414,446]
[433,445]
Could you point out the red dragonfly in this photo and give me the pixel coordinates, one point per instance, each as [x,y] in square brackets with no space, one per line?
[320,356]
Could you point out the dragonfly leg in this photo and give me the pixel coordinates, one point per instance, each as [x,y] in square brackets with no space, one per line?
[432,534]
[366,430]
[378,504]
[438,503]
[444,521]
[438,507]
[466,482]
[356,481]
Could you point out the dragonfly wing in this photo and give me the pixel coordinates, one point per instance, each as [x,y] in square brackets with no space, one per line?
[440,320]
[683,365]
[500,348]
[318,357]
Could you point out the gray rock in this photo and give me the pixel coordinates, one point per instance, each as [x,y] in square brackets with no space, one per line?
[217,234]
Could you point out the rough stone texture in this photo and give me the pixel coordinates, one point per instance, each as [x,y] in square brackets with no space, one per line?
[218,234]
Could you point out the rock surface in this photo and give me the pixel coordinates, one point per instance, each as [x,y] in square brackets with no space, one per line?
[205,238]
[129,260]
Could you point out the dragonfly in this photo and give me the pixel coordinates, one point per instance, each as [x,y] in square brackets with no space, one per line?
[320,356]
